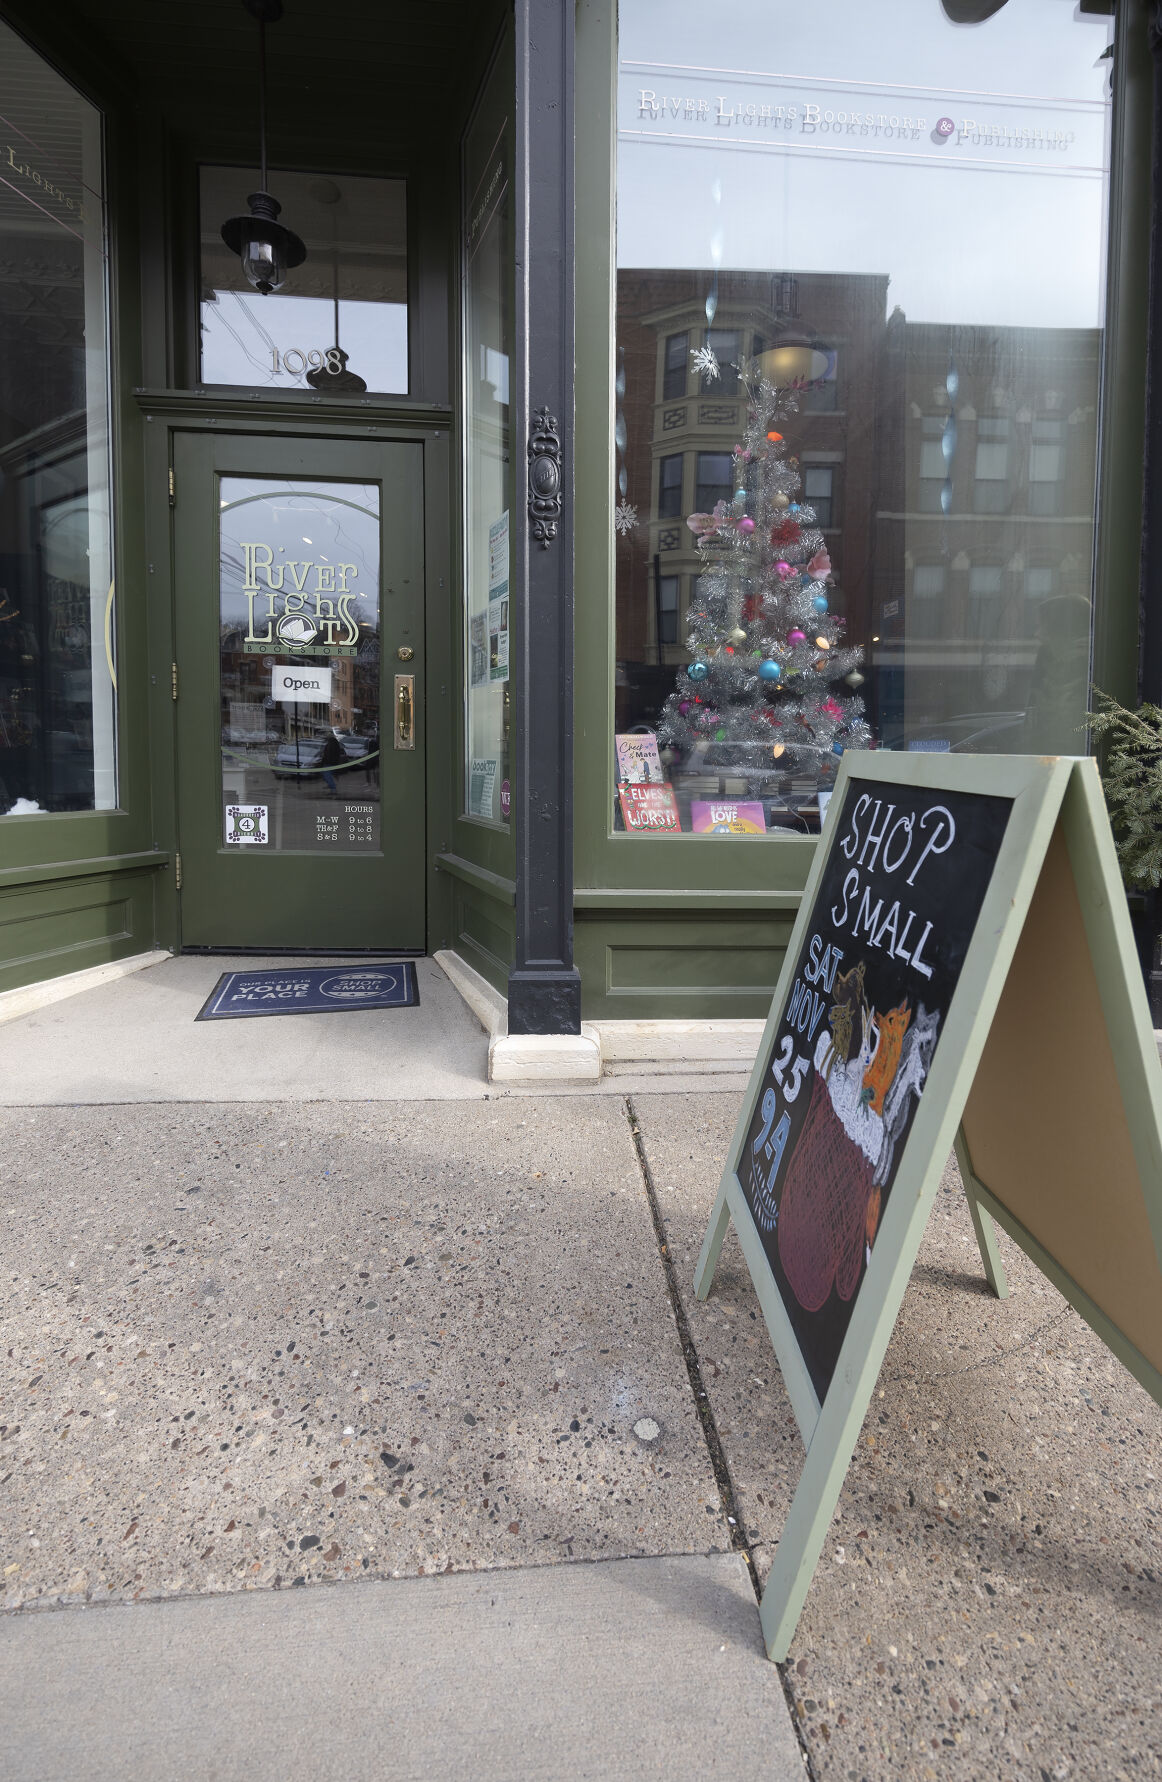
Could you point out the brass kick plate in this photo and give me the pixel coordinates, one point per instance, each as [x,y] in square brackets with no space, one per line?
[405,711]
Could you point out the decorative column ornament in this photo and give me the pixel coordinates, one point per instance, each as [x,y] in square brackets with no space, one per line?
[544,453]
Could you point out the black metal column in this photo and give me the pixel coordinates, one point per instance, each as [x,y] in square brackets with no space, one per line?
[1150,596]
[544,988]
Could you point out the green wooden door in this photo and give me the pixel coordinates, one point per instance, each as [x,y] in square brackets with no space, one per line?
[300,716]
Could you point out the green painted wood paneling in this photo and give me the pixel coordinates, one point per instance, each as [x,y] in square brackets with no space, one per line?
[665,966]
[483,933]
[49,929]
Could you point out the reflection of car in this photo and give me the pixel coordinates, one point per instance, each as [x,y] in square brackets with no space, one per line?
[357,747]
[294,759]
[237,737]
[968,732]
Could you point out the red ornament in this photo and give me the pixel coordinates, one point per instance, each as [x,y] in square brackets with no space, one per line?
[775,438]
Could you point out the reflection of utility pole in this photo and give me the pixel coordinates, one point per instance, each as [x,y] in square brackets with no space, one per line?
[326,377]
[658,606]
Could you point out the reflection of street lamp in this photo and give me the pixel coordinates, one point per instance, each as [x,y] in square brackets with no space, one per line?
[793,360]
[971,12]
[266,247]
[325,191]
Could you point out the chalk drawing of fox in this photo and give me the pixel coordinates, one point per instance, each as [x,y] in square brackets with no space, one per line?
[915,1061]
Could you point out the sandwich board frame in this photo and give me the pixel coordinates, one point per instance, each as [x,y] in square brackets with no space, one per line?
[1056,848]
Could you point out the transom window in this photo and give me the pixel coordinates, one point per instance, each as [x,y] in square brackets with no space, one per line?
[339,325]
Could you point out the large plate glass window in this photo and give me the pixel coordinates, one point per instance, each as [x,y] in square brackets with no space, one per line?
[486,306]
[859,328]
[339,325]
[57,674]
[300,665]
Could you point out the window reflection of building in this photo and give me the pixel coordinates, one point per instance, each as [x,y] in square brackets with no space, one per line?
[962,557]
[981,613]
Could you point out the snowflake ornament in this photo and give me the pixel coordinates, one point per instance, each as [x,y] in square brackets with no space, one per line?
[624,518]
[705,362]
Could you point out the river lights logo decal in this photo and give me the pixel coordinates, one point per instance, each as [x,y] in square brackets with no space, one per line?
[303,605]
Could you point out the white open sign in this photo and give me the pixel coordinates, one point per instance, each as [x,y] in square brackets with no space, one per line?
[301,685]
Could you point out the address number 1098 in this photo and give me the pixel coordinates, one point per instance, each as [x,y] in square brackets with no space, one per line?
[315,360]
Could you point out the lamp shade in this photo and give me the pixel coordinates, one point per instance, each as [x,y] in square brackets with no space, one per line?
[266,248]
[793,360]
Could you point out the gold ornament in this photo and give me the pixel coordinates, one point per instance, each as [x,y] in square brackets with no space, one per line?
[821,643]
[782,501]
[738,635]
[778,750]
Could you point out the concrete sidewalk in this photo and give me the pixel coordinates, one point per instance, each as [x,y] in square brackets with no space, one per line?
[417,1357]
[633,1669]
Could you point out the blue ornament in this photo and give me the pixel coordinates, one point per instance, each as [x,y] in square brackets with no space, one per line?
[820,603]
[770,670]
[794,508]
[698,671]
[837,748]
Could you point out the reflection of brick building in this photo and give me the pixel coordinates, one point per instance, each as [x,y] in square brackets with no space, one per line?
[981,599]
[680,428]
[962,554]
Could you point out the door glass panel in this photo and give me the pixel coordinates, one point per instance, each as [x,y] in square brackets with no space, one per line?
[340,323]
[300,678]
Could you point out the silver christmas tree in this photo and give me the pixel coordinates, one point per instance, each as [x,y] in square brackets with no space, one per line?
[770,687]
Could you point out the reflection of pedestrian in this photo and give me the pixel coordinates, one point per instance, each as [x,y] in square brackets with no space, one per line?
[331,755]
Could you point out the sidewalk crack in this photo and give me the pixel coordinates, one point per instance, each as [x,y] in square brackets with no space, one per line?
[717,1453]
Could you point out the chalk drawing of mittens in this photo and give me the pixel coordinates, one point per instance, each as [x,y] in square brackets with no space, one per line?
[824,1206]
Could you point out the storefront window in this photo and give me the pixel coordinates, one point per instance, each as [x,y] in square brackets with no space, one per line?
[57,675]
[885,271]
[339,325]
[487,344]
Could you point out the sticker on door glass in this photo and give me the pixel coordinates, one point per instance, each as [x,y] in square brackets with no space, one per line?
[246,825]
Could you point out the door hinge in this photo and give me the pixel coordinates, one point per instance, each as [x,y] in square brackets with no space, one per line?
[173,488]
[177,872]
[173,680]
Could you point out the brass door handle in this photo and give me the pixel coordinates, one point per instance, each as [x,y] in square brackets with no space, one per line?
[405,711]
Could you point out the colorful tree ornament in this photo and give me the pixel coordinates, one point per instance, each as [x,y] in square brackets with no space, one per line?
[698,671]
[770,670]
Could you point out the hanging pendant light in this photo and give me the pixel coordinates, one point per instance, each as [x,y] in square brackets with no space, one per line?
[793,360]
[266,247]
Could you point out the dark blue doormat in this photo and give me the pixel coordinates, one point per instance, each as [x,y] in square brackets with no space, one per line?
[312,990]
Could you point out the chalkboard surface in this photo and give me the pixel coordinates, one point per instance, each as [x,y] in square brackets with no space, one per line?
[895,909]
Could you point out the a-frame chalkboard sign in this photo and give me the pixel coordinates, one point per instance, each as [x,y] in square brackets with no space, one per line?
[962,970]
